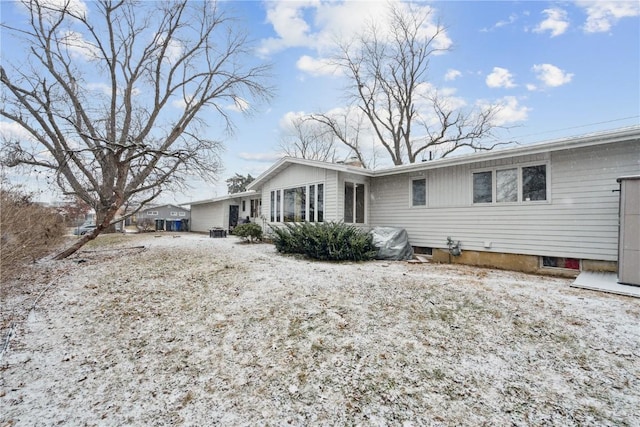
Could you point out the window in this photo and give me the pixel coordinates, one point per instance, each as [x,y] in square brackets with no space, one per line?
[182,214]
[174,214]
[152,213]
[419,192]
[507,185]
[558,262]
[295,202]
[320,204]
[272,206]
[354,204]
[312,201]
[482,185]
[534,183]
[304,203]
[244,206]
[521,184]
[255,205]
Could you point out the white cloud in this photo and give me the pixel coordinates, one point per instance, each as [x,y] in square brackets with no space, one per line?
[103,88]
[510,111]
[551,76]
[240,105]
[78,46]
[51,8]
[556,22]
[287,19]
[512,18]
[317,25]
[289,118]
[452,74]
[500,77]
[317,67]
[12,130]
[260,157]
[181,103]
[602,15]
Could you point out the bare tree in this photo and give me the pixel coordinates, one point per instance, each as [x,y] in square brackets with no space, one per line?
[113,98]
[308,139]
[387,68]
[347,129]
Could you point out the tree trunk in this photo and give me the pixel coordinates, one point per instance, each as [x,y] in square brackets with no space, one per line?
[77,245]
[106,217]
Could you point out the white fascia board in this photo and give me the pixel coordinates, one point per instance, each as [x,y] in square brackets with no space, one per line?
[610,137]
[285,162]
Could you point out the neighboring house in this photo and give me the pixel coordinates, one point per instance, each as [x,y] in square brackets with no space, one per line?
[164,217]
[226,212]
[542,206]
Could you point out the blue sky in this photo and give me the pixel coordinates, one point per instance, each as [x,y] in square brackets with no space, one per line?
[558,68]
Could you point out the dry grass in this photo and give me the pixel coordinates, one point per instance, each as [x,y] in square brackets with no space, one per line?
[200,331]
[28,231]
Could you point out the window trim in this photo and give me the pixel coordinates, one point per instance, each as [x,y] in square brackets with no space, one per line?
[519,167]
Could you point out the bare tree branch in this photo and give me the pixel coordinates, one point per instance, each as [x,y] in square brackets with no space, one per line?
[115,103]
[388,72]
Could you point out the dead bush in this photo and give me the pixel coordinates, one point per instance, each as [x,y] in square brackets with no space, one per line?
[28,231]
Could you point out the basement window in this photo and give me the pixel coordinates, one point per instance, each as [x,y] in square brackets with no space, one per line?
[421,250]
[558,262]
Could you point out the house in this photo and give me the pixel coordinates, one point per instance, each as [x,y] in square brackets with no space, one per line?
[163,217]
[538,207]
[226,212]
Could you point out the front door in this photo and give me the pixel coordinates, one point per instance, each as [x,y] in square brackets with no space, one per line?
[234,211]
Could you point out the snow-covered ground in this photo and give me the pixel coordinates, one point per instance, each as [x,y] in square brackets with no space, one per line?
[196,331]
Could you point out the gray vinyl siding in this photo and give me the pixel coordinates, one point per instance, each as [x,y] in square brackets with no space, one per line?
[208,215]
[300,175]
[164,212]
[579,220]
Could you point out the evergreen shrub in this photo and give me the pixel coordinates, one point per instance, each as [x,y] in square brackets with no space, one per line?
[327,241]
[249,231]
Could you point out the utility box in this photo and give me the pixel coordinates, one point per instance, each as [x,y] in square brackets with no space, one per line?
[629,234]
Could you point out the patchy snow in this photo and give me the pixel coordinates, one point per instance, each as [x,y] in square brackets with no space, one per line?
[198,331]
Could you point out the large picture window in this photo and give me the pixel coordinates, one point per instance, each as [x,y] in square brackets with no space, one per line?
[295,202]
[522,184]
[354,203]
[304,203]
[419,192]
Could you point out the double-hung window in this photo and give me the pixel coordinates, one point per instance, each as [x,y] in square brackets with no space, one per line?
[510,185]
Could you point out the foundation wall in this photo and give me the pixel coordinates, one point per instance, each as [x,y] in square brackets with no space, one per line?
[516,262]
